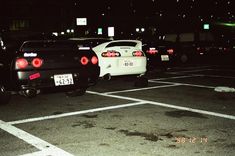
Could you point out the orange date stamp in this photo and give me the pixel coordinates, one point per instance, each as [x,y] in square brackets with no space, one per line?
[193,140]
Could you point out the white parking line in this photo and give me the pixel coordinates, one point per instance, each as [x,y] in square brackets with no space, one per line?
[193,67]
[168,105]
[76,113]
[46,152]
[216,76]
[176,77]
[194,110]
[188,71]
[183,84]
[138,89]
[32,140]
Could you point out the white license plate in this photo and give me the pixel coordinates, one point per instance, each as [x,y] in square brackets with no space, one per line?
[164,57]
[64,79]
[128,63]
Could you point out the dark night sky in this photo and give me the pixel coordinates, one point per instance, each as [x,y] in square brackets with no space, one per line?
[185,8]
[51,13]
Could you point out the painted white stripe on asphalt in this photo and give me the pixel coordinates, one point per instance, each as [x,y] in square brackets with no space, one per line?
[216,76]
[46,152]
[168,105]
[175,77]
[138,89]
[188,71]
[75,113]
[32,140]
[194,110]
[193,67]
[225,68]
[183,84]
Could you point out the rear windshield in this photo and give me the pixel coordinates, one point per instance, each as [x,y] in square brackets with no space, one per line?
[91,42]
[48,46]
[115,44]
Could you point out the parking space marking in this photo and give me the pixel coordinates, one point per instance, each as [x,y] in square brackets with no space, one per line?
[176,77]
[138,89]
[193,67]
[32,140]
[226,69]
[195,110]
[168,105]
[183,84]
[76,113]
[46,152]
[216,76]
[188,71]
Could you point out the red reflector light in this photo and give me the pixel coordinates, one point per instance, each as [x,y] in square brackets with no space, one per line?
[21,63]
[37,62]
[170,51]
[94,60]
[84,60]
[34,76]
[138,53]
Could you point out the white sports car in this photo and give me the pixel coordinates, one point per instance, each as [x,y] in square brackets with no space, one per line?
[121,57]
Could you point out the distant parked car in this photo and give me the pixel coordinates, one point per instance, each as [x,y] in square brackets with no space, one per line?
[42,64]
[160,53]
[121,57]
[193,46]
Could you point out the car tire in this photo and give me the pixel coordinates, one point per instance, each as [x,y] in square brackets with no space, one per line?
[141,82]
[4,96]
[76,92]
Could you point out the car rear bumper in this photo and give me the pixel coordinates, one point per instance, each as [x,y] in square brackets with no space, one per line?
[122,66]
[158,60]
[82,78]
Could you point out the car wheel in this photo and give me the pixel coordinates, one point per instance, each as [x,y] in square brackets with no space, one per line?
[4,96]
[141,82]
[183,58]
[76,92]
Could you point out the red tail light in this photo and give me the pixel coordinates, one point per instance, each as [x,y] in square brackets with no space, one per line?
[152,51]
[21,63]
[111,54]
[84,60]
[138,53]
[37,62]
[170,51]
[94,60]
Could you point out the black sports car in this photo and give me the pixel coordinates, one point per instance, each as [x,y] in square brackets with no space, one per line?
[44,64]
[160,53]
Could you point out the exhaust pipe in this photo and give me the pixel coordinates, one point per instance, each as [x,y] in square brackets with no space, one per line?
[30,92]
[107,77]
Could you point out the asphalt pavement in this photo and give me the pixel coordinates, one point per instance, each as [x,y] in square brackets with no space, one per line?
[178,113]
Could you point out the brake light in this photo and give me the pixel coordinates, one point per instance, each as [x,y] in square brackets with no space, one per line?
[138,53]
[37,62]
[84,60]
[94,60]
[21,63]
[152,51]
[170,51]
[111,54]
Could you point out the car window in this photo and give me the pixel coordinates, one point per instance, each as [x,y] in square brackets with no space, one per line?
[48,46]
[115,44]
[91,42]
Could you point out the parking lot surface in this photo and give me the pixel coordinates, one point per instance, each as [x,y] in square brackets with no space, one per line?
[178,113]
